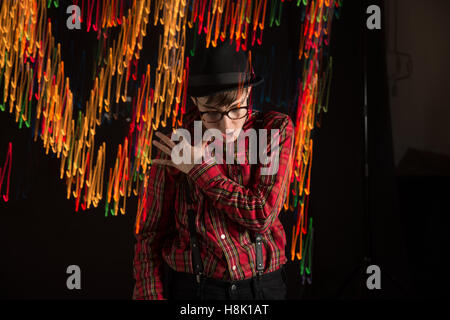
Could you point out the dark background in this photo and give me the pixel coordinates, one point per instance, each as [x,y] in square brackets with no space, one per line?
[41,234]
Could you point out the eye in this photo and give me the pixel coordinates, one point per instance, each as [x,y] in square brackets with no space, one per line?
[238,113]
[212,116]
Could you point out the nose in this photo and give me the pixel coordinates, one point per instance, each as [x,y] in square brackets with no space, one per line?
[226,123]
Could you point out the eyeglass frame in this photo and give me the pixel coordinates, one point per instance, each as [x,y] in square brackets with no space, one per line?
[225,113]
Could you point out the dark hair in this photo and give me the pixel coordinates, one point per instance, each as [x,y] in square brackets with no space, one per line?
[225,98]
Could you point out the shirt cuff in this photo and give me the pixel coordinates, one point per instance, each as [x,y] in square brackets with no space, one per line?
[205,172]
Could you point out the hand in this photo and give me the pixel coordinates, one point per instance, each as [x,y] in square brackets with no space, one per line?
[166,147]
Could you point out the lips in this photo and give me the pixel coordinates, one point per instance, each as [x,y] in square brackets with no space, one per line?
[227,135]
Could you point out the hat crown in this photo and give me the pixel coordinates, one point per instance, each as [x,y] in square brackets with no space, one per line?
[221,68]
[218,60]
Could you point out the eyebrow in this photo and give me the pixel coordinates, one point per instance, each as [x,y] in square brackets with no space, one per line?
[211,107]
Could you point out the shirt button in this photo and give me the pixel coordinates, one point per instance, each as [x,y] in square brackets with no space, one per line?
[234,268]
[222,236]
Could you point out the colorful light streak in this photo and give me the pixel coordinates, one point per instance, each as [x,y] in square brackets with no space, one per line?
[36,89]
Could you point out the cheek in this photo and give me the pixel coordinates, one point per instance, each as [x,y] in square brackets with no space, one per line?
[207,126]
[240,125]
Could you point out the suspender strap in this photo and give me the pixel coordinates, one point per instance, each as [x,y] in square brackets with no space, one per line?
[259,253]
[197,264]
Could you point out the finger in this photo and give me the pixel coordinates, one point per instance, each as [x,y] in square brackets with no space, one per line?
[201,143]
[163,148]
[165,139]
[208,142]
[162,162]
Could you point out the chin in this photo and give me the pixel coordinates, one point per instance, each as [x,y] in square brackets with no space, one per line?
[229,139]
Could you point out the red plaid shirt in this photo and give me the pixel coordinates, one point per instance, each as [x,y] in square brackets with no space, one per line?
[232,201]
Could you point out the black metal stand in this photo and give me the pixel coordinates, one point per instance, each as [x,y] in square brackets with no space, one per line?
[368,259]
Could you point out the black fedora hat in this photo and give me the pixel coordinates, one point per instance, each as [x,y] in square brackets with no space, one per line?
[216,69]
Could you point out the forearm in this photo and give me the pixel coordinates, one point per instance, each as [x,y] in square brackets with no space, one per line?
[147,266]
[254,207]
[147,263]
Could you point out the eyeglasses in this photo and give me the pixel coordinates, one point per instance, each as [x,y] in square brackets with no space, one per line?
[216,116]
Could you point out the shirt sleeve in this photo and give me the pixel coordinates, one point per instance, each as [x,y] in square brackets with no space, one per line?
[147,263]
[255,207]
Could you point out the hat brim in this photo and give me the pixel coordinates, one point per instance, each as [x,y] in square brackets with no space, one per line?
[202,91]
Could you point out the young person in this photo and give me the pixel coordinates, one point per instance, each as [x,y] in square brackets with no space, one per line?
[212,230]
